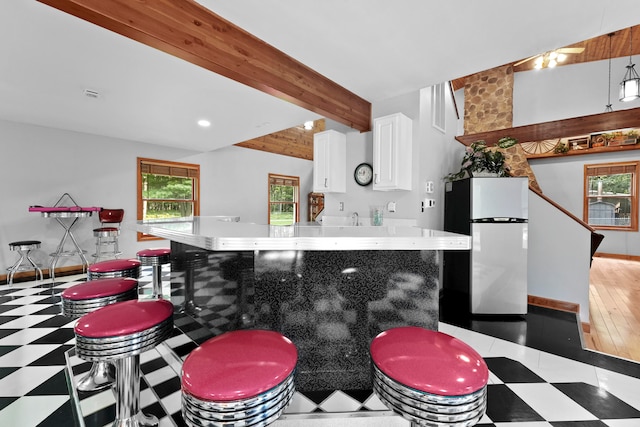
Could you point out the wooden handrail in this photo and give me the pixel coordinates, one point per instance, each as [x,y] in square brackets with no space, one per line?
[566,212]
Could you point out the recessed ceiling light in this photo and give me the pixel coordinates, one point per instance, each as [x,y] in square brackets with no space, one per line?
[308,125]
[204,123]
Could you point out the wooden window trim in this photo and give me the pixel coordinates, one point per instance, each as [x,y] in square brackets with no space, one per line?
[611,169]
[169,168]
[294,181]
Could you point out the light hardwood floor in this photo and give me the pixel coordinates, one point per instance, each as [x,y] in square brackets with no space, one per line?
[614,305]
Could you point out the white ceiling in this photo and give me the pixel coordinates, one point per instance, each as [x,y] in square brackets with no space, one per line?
[375,48]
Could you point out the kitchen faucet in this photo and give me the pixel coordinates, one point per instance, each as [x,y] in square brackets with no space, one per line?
[354,219]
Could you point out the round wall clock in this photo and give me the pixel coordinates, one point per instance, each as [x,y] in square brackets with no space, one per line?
[363,174]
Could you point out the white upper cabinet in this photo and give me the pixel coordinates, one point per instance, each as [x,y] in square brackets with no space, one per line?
[329,162]
[392,145]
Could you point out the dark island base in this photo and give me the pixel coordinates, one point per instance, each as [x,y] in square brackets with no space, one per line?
[329,303]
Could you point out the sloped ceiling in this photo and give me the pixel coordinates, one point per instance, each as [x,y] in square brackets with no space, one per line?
[374,48]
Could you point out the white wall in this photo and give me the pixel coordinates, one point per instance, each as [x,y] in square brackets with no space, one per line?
[39,164]
[565,92]
[558,268]
[434,155]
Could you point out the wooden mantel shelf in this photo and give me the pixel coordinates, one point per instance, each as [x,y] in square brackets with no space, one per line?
[576,126]
[593,150]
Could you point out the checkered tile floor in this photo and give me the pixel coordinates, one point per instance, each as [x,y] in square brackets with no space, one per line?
[528,387]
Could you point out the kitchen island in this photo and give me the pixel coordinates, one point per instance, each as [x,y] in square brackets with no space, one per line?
[329,289]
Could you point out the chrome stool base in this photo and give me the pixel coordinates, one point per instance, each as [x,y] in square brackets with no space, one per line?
[119,333]
[24,248]
[101,376]
[89,296]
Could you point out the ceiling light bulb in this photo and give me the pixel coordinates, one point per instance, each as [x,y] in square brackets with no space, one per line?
[308,125]
[538,62]
[204,123]
[552,63]
[553,55]
[561,57]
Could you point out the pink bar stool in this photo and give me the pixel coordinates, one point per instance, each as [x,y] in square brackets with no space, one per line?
[86,297]
[428,377]
[239,378]
[119,333]
[114,268]
[107,234]
[155,258]
[24,248]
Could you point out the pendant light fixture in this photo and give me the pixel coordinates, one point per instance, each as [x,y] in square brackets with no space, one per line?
[608,108]
[630,86]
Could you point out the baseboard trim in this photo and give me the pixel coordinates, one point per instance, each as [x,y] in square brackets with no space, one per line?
[617,256]
[559,305]
[26,276]
[553,303]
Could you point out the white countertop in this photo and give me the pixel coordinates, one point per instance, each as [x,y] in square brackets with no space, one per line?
[217,234]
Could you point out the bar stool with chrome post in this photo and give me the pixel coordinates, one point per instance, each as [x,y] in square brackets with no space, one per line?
[189,261]
[429,378]
[119,333]
[24,248]
[107,234]
[240,378]
[114,268]
[86,297]
[155,258]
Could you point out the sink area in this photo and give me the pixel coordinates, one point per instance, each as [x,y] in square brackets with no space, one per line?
[348,220]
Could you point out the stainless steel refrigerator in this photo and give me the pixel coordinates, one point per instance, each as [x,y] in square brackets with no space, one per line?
[492,277]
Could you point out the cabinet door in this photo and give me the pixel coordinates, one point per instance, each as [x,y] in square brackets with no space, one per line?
[392,144]
[329,162]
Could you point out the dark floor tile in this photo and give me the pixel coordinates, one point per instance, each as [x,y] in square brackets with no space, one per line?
[511,371]
[184,349]
[55,310]
[359,395]
[4,349]
[318,396]
[503,405]
[8,307]
[56,385]
[598,401]
[153,365]
[167,387]
[7,332]
[6,401]
[6,371]
[63,416]
[59,336]
[591,423]
[102,417]
[54,358]
[5,319]
[52,300]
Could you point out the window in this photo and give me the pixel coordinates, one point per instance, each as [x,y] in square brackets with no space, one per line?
[167,190]
[284,197]
[611,195]
[438,107]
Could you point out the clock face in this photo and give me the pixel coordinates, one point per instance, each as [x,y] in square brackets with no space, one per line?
[363,174]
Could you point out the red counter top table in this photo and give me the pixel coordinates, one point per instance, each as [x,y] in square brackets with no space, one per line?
[60,213]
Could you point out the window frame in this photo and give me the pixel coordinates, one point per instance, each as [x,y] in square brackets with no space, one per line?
[597,169]
[178,169]
[271,178]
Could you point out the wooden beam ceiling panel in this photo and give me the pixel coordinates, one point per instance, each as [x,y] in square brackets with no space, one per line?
[576,126]
[187,30]
[293,142]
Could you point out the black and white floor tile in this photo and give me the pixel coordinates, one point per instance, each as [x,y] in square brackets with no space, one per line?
[531,385]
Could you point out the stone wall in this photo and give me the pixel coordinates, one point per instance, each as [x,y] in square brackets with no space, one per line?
[488,100]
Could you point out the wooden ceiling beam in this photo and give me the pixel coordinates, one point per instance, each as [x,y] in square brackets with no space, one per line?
[189,31]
